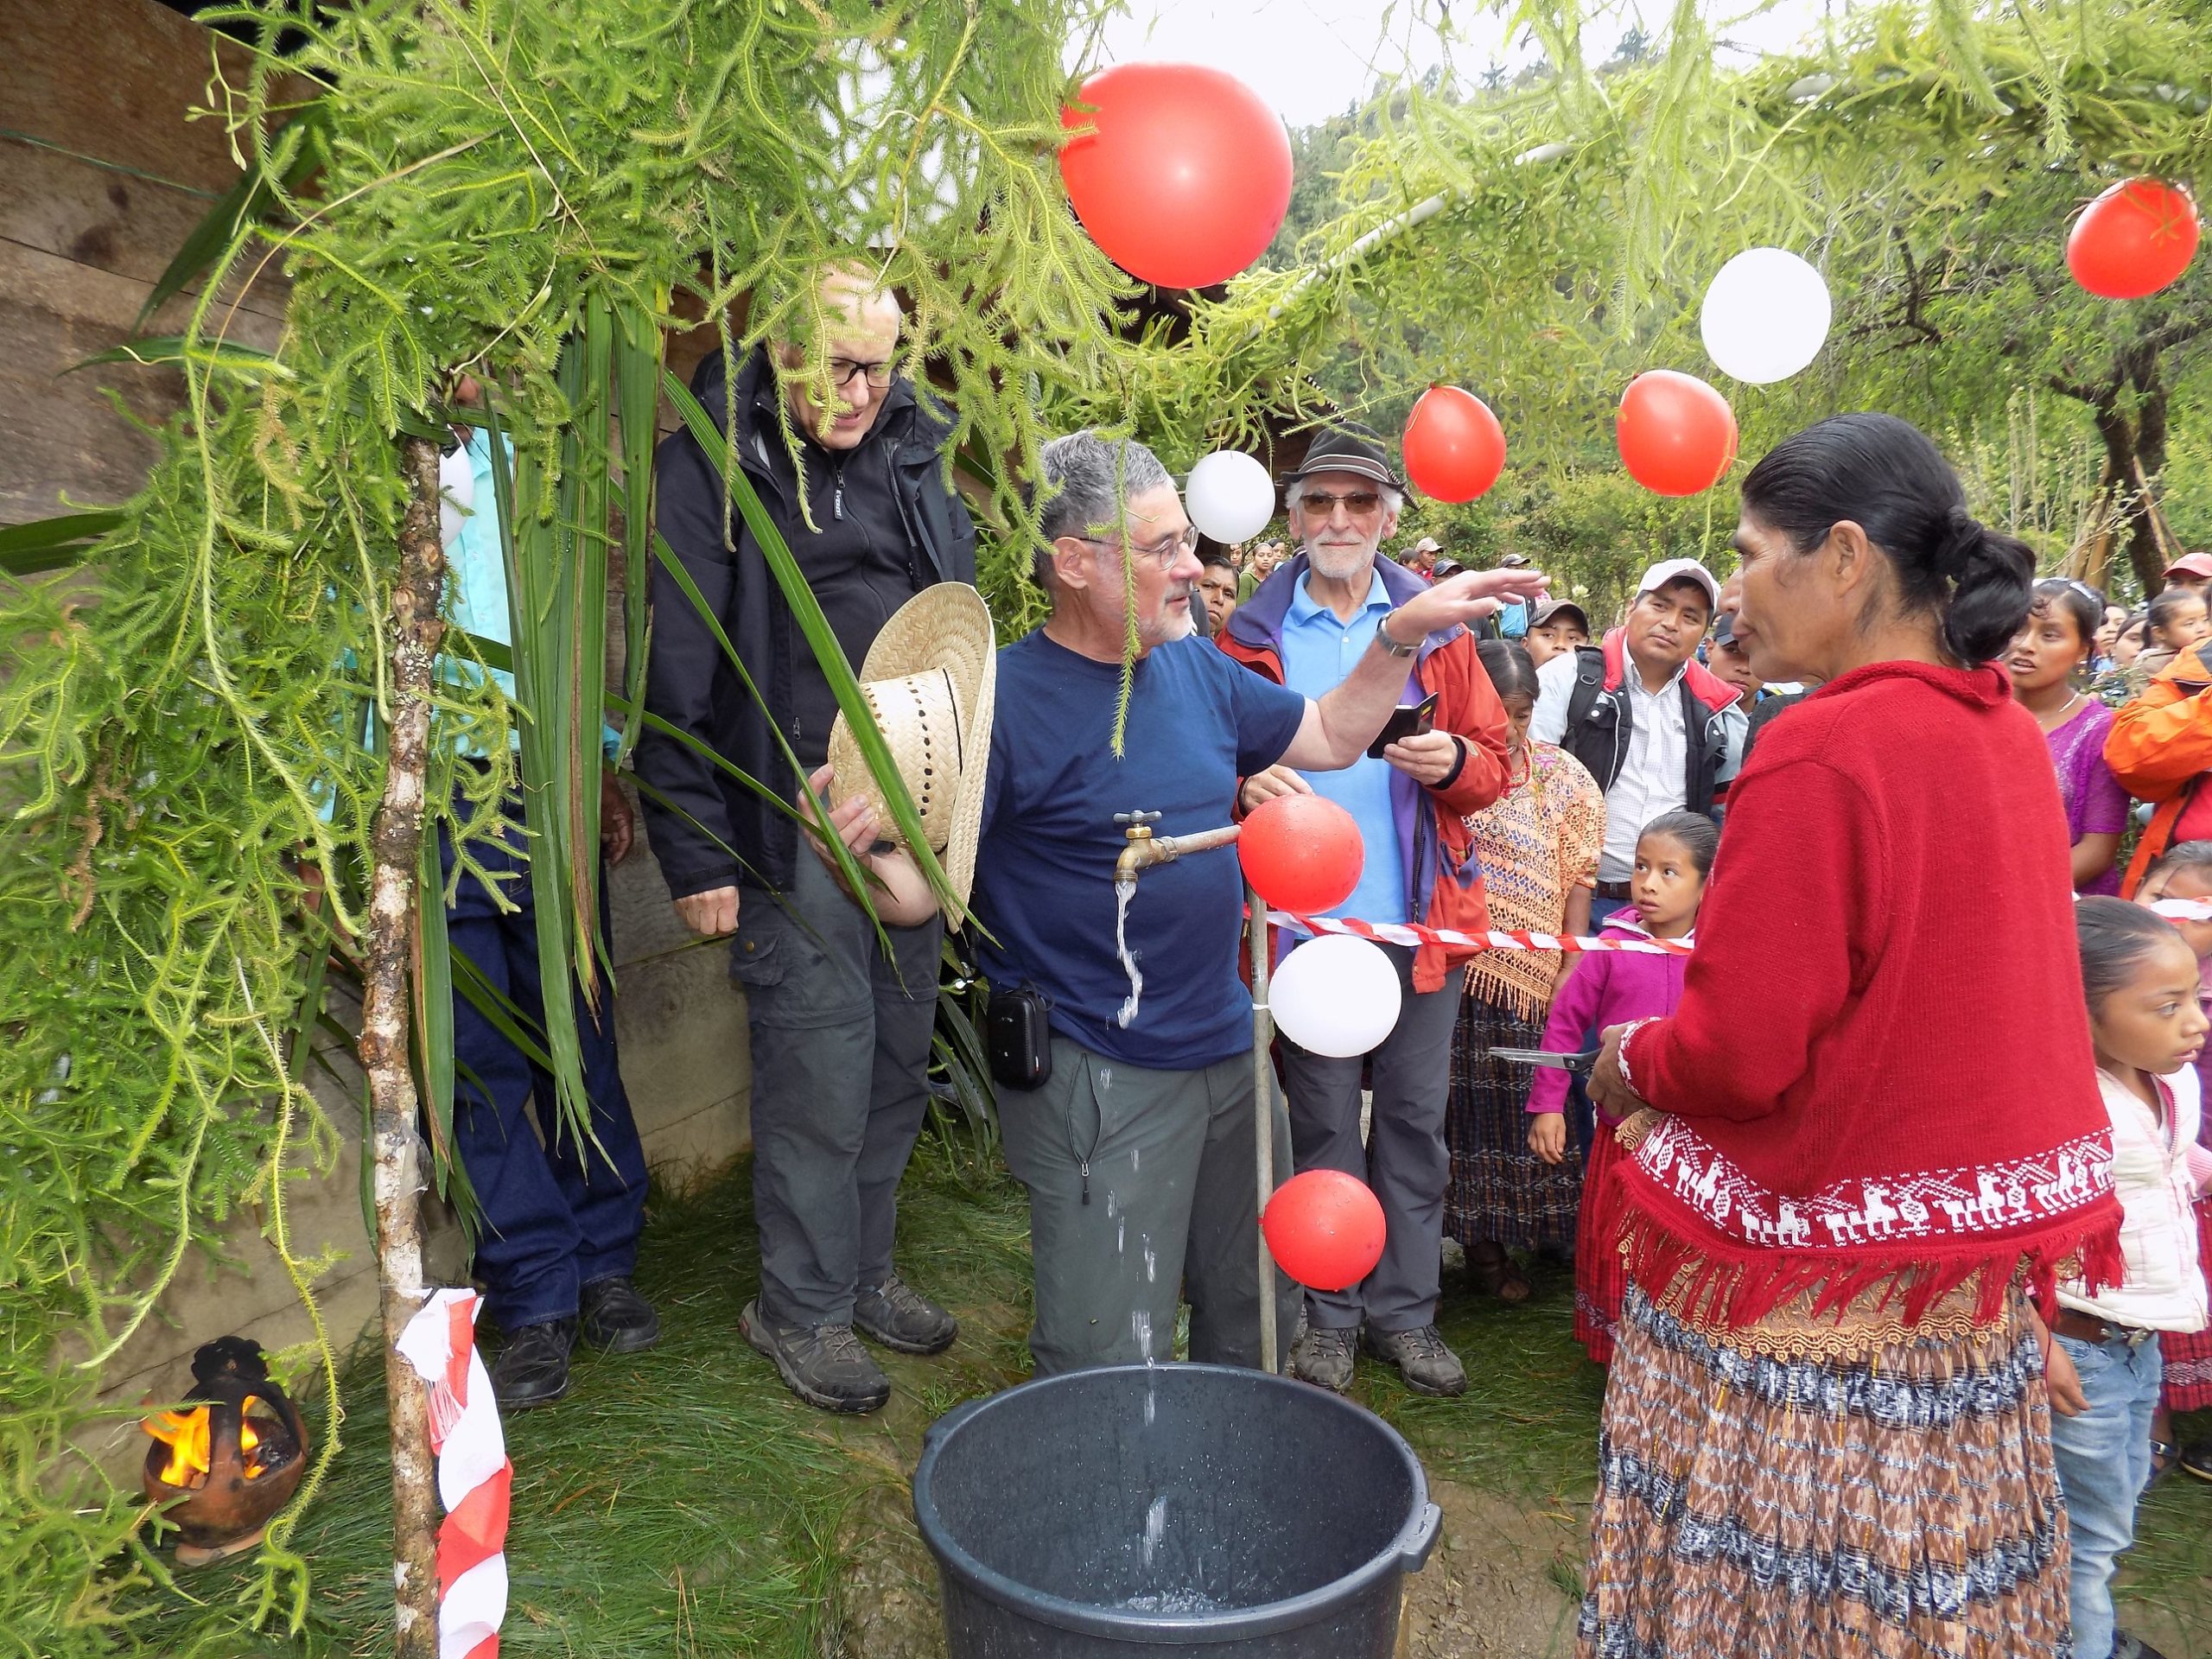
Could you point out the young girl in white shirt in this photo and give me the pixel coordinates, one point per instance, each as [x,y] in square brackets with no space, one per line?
[2101,1360]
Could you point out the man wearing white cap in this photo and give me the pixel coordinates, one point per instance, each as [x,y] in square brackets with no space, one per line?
[1654,728]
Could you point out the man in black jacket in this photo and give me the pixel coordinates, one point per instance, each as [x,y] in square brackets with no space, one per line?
[840,1028]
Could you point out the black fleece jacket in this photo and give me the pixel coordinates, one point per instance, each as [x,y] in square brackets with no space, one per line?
[709,829]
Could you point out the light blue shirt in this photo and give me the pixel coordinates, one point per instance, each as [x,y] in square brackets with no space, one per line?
[1320,650]
[476,582]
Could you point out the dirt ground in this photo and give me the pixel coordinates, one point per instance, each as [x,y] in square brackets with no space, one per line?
[1494,1588]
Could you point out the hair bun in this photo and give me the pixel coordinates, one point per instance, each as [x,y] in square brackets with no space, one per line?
[1965,538]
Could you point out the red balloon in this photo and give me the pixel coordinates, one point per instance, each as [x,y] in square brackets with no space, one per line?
[1324,1228]
[1454,446]
[2134,240]
[1187,178]
[1677,435]
[1301,853]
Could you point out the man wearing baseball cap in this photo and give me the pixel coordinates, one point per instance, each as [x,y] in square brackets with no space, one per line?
[1652,725]
[2191,570]
[1556,627]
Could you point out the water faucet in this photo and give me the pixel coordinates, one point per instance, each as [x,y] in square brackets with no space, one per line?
[1141,849]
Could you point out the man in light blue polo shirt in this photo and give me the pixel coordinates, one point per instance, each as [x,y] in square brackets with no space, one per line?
[1306,625]
[1319,647]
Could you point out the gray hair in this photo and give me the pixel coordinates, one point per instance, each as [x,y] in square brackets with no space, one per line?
[1082,482]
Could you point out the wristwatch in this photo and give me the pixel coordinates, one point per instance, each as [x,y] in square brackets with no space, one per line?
[1383,639]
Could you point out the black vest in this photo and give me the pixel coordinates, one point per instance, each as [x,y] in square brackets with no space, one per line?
[1601,722]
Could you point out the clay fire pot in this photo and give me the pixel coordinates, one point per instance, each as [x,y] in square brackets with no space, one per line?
[222,1467]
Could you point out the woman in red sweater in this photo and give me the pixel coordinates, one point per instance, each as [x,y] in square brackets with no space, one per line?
[1869,1129]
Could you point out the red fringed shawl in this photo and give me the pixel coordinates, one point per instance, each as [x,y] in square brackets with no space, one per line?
[1879,1077]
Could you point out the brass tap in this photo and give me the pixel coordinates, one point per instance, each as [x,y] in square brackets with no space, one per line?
[1142,850]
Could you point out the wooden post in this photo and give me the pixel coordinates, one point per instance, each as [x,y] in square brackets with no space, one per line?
[395,1146]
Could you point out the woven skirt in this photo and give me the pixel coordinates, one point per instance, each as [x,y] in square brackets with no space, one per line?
[1499,1189]
[1902,1508]
[2188,1354]
[1600,1276]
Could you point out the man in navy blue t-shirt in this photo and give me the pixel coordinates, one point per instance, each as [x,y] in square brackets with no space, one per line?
[1137,1150]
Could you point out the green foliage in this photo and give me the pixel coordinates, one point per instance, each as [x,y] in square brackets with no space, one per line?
[522,192]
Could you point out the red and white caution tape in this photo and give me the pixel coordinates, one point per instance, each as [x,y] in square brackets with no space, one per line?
[1495,939]
[2174,910]
[475,1478]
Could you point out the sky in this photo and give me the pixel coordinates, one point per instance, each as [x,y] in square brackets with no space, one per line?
[1313,59]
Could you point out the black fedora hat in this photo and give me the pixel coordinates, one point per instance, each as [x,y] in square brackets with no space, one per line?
[1350,447]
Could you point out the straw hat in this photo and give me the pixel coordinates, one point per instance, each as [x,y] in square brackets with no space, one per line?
[930,679]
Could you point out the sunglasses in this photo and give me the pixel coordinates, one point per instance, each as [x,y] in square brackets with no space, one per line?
[1358,503]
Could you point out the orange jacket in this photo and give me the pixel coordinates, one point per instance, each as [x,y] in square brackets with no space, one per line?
[1467,707]
[2161,748]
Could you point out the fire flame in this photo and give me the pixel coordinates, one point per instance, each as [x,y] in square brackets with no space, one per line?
[187,1435]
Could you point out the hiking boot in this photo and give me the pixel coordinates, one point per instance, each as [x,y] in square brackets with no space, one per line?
[1325,1358]
[532,1369]
[615,1317]
[1427,1364]
[2133,1647]
[2196,1460]
[823,1364]
[903,1319]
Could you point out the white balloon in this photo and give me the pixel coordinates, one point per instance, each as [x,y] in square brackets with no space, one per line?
[1229,496]
[1335,995]
[456,493]
[1766,315]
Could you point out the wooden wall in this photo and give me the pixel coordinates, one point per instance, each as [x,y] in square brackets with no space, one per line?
[101,178]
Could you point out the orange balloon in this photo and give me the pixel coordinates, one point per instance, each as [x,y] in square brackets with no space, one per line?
[2132,240]
[1454,446]
[1186,177]
[1324,1228]
[1301,853]
[1677,435]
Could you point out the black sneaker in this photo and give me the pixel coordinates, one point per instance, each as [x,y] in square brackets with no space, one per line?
[901,1318]
[1325,1358]
[823,1364]
[615,1317]
[532,1369]
[1427,1364]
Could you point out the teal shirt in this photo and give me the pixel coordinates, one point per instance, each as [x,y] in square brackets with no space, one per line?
[1320,650]
[476,581]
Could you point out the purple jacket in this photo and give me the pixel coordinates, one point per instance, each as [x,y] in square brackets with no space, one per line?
[1606,989]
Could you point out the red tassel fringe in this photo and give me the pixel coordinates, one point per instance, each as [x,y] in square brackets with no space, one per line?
[1733,1285]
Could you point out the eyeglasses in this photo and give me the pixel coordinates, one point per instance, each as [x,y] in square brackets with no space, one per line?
[1357,502]
[842,369]
[1164,553]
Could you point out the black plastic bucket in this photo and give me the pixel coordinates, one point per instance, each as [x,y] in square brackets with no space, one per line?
[1202,1508]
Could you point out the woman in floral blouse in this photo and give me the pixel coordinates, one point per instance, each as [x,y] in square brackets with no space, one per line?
[1538,846]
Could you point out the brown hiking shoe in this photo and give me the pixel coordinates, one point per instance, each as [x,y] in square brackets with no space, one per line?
[1427,1364]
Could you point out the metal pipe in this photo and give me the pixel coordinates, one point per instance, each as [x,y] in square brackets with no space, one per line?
[1143,849]
[1263,1097]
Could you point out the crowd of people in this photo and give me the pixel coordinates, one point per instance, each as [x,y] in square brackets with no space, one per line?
[1880,1197]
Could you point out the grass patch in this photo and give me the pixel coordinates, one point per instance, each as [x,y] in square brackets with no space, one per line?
[681,1503]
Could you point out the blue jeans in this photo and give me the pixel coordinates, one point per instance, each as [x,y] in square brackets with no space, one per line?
[556,1215]
[2104,1463]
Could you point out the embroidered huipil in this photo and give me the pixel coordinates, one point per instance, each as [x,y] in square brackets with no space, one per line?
[2164,1287]
[1536,843]
[1863,1093]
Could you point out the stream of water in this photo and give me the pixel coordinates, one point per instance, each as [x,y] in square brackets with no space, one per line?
[1123,892]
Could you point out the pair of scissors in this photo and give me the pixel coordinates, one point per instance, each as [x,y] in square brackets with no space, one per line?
[1581,1063]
